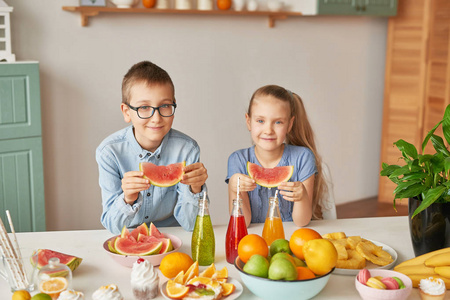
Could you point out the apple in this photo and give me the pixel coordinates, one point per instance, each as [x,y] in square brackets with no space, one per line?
[280,245]
[282,269]
[257,265]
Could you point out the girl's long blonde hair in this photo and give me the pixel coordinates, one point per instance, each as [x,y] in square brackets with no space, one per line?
[301,134]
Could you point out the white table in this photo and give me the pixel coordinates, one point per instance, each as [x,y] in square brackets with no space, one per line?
[99,269]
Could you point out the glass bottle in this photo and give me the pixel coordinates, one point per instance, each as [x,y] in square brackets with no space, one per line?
[203,242]
[273,226]
[237,229]
[54,277]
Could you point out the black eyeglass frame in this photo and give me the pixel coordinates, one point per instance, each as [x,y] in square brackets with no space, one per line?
[136,109]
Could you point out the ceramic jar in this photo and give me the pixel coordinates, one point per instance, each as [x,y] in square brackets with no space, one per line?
[239,4]
[204,4]
[183,4]
[162,4]
[252,5]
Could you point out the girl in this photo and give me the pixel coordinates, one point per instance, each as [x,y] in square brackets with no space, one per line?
[282,136]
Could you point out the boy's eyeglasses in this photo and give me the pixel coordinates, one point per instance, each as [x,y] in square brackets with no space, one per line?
[146,111]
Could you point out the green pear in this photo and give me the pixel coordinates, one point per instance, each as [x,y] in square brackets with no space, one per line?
[298,262]
[257,265]
[282,269]
[280,245]
[283,255]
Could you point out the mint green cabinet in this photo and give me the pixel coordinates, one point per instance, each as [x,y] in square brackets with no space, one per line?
[21,163]
[357,7]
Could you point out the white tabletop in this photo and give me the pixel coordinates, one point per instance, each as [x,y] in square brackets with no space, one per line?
[99,269]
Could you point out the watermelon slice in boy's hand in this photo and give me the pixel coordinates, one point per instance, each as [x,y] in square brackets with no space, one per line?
[269,177]
[163,176]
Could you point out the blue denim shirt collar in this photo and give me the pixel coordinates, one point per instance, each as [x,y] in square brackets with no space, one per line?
[139,151]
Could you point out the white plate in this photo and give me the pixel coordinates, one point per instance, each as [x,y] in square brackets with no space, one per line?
[370,265]
[237,292]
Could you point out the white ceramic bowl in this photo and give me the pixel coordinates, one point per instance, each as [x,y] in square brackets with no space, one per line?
[155,260]
[368,293]
[282,289]
[124,3]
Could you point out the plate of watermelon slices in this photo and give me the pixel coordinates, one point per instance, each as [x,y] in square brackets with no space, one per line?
[142,242]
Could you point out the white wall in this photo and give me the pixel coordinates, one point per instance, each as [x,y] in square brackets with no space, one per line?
[216,62]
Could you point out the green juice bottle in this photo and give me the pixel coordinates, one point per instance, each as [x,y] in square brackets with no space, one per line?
[203,242]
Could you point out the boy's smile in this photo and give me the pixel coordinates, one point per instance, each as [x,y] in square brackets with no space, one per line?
[149,132]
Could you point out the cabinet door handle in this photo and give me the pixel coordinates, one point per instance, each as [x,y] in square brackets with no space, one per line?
[363,8]
[357,7]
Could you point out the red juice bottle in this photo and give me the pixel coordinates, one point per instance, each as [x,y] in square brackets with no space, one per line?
[237,229]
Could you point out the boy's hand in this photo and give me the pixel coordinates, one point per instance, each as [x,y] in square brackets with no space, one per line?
[132,184]
[246,184]
[293,191]
[195,175]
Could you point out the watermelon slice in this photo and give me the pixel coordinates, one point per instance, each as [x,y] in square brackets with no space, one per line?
[269,177]
[127,246]
[45,254]
[153,231]
[163,176]
[141,229]
[166,246]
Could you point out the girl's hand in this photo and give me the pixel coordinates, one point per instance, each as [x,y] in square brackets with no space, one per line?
[293,191]
[195,175]
[132,184]
[246,184]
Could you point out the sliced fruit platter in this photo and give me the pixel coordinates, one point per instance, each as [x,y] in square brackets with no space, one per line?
[143,241]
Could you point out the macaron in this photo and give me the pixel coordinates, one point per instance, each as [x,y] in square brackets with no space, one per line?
[375,283]
[363,276]
[390,283]
[401,285]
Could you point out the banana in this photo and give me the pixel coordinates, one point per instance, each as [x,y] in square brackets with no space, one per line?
[443,271]
[416,269]
[438,260]
[422,258]
[415,278]
[334,235]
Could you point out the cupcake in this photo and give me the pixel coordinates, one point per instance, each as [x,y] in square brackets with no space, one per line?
[144,280]
[71,295]
[432,289]
[107,292]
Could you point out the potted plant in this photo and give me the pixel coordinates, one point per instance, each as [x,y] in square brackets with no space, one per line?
[425,180]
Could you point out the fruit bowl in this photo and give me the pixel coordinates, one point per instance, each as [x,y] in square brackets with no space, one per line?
[368,293]
[155,260]
[282,289]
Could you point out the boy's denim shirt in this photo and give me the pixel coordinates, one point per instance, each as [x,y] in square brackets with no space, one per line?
[164,206]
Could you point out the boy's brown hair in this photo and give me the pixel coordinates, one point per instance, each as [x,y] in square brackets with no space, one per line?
[146,72]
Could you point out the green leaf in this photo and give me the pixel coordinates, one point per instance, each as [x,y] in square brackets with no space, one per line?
[405,170]
[405,184]
[424,158]
[446,124]
[407,149]
[447,165]
[438,144]
[410,192]
[437,163]
[429,134]
[388,169]
[431,196]
[412,176]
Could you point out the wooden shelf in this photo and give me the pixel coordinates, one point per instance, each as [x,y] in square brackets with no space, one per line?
[92,11]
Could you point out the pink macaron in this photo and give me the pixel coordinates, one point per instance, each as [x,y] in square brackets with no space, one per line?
[390,283]
[363,276]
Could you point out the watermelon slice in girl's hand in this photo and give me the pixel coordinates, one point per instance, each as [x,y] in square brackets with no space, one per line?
[269,177]
[69,260]
[163,176]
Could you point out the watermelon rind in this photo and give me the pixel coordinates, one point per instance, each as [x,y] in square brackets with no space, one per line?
[277,174]
[111,246]
[167,246]
[45,254]
[155,174]
[153,231]
[141,229]
[126,246]
[125,232]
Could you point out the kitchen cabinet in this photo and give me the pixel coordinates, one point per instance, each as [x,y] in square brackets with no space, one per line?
[21,159]
[417,79]
[357,7]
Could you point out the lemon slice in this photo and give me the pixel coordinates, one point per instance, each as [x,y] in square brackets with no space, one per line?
[53,286]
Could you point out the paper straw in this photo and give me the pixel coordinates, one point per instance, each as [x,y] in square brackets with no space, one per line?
[204,196]
[276,194]
[17,250]
[237,194]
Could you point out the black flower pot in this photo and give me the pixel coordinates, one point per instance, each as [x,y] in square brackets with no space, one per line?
[430,229]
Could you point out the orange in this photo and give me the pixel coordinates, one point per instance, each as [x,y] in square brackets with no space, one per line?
[320,256]
[148,3]
[191,272]
[179,278]
[299,238]
[204,280]
[175,262]
[227,288]
[223,4]
[53,286]
[252,244]
[221,275]
[209,271]
[175,290]
[304,273]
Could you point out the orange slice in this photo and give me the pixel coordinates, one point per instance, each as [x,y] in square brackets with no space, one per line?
[228,288]
[179,278]
[209,271]
[204,280]
[191,272]
[221,275]
[175,290]
[53,286]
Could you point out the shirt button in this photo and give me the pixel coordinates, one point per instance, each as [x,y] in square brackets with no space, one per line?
[140,155]
[146,217]
[148,194]
[148,154]
[158,156]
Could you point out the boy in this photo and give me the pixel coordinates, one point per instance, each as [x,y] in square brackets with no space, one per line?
[148,102]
